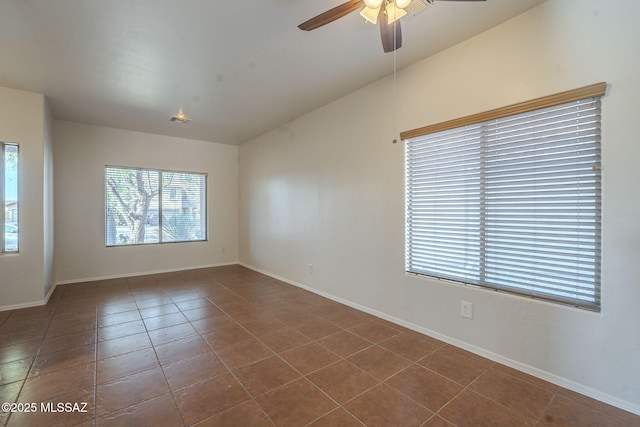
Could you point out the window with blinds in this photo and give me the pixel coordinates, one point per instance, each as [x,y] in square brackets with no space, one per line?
[9,236]
[511,203]
[154,206]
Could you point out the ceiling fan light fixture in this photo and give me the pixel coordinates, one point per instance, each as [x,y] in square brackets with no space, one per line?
[394,13]
[373,4]
[371,15]
[389,11]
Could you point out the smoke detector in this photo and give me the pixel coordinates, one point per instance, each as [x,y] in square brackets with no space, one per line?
[179,117]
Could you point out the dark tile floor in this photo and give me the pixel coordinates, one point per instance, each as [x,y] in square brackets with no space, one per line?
[230,347]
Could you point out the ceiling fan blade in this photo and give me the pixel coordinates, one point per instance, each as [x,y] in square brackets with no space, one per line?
[391,35]
[331,15]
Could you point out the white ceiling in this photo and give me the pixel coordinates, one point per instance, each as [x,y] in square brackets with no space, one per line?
[237,68]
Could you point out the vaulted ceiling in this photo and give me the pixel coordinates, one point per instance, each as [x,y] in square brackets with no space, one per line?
[237,68]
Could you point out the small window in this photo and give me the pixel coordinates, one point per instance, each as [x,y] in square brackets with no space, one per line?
[9,241]
[511,203]
[143,207]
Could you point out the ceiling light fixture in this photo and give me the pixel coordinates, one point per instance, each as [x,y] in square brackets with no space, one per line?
[179,117]
[394,12]
[393,9]
[373,4]
[387,12]
[370,14]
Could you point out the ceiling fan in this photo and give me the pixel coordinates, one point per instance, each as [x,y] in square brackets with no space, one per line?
[387,12]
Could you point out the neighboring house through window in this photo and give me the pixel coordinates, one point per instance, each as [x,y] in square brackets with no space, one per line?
[9,241]
[142,207]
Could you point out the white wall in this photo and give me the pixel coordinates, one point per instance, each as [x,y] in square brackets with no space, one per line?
[81,153]
[47,203]
[327,189]
[23,120]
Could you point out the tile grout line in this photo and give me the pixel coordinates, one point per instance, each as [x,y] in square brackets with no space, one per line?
[544,411]
[95,363]
[24,382]
[316,341]
[302,376]
[464,388]
[173,398]
[251,398]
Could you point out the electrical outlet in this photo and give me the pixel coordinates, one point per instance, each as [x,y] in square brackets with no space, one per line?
[310,268]
[222,250]
[466,310]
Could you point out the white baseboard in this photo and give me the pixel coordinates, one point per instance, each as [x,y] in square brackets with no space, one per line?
[143,273]
[538,373]
[95,278]
[30,304]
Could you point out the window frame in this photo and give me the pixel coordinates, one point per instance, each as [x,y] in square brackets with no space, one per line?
[159,195]
[3,200]
[596,91]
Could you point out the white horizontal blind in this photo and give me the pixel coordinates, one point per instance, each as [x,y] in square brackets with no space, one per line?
[511,204]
